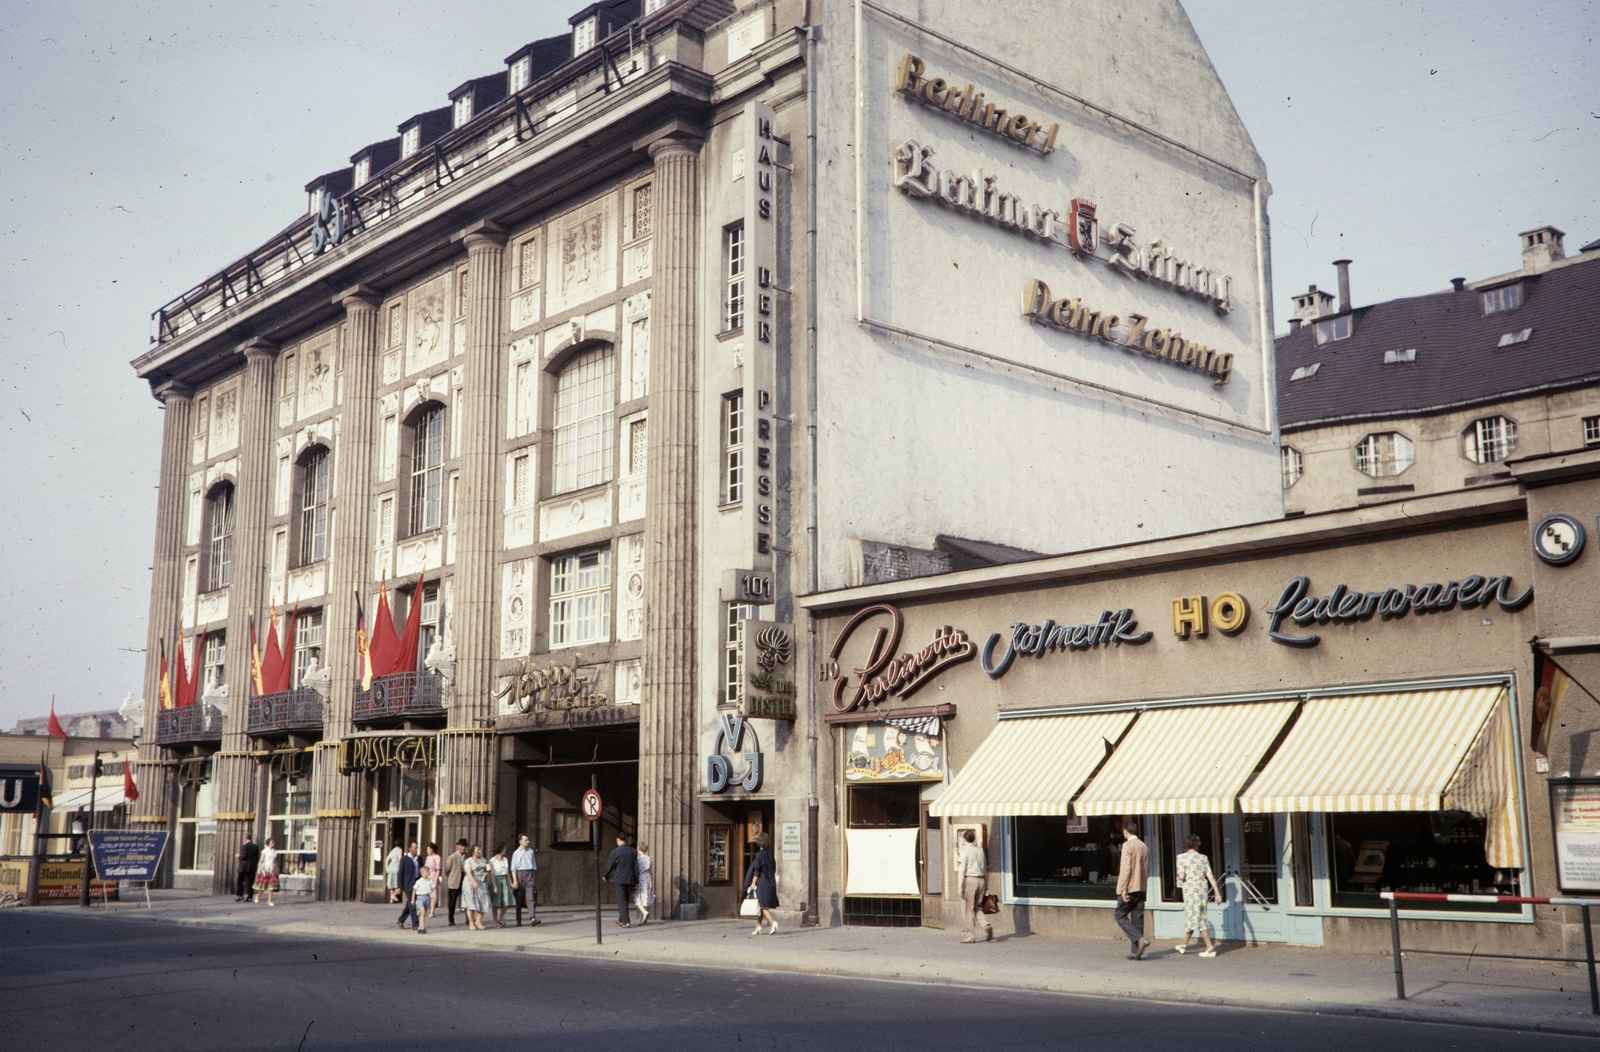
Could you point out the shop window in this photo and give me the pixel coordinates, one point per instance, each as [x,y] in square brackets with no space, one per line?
[404,789]
[1490,440]
[580,598]
[585,419]
[1073,857]
[219,537]
[1384,454]
[426,470]
[1333,329]
[1300,859]
[290,822]
[313,486]
[1508,297]
[733,447]
[1591,430]
[733,275]
[736,612]
[307,644]
[1293,465]
[1438,852]
[197,829]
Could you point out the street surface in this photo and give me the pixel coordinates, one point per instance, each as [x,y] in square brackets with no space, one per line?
[110,983]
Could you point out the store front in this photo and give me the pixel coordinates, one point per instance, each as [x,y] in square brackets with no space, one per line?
[1336,706]
[401,772]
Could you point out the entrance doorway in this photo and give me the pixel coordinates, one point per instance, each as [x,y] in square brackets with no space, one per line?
[1252,863]
[731,829]
[388,832]
[886,855]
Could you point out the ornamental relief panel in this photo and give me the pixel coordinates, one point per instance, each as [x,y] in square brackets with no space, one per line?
[630,682]
[582,255]
[429,341]
[224,418]
[516,608]
[630,587]
[317,365]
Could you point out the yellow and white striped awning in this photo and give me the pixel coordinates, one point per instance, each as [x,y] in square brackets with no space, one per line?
[1182,760]
[1031,766]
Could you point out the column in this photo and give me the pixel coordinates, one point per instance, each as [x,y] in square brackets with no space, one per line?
[667,741]
[467,751]
[340,840]
[235,769]
[166,591]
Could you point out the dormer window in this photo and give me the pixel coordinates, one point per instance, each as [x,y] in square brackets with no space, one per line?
[1508,297]
[314,201]
[1305,372]
[1401,357]
[519,74]
[463,110]
[363,171]
[583,34]
[652,6]
[411,140]
[1333,329]
[1511,339]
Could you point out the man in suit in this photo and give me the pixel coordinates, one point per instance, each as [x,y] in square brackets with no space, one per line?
[455,865]
[408,883]
[249,857]
[622,871]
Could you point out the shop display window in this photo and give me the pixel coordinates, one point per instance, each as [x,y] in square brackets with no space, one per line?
[197,829]
[405,789]
[290,822]
[1066,858]
[1439,852]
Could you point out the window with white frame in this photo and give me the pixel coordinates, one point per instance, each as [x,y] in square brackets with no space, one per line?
[291,822]
[1333,329]
[583,35]
[314,506]
[1293,465]
[307,643]
[461,111]
[427,470]
[733,447]
[1591,430]
[363,172]
[219,538]
[1507,297]
[213,664]
[638,446]
[735,612]
[585,419]
[580,598]
[734,260]
[427,618]
[1490,440]
[521,480]
[410,140]
[517,77]
[197,826]
[1384,454]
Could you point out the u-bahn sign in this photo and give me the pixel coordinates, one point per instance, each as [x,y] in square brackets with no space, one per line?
[19,789]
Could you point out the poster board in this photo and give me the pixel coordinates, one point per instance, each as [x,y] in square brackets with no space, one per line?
[1575,821]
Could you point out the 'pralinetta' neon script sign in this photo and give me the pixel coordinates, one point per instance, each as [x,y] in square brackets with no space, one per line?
[882,674]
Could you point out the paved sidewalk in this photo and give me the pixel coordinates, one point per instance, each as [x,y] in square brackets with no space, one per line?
[1506,994]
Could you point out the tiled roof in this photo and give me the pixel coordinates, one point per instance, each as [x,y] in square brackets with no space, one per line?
[1459,359]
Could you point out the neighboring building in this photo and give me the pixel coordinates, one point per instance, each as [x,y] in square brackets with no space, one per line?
[681,315]
[1434,393]
[111,723]
[76,791]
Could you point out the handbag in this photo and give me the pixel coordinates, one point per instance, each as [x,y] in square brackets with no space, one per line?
[989,904]
[750,907]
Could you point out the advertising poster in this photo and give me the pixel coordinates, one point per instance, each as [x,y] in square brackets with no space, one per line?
[127,854]
[1575,813]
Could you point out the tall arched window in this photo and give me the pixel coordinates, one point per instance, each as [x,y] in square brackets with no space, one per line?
[219,537]
[427,469]
[314,476]
[585,420]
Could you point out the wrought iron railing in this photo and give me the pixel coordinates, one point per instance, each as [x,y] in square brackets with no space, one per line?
[288,710]
[191,723]
[402,694]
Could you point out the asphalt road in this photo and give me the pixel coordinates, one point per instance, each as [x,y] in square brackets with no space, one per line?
[114,985]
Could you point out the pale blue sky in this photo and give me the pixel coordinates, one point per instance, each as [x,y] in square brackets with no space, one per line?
[149,143]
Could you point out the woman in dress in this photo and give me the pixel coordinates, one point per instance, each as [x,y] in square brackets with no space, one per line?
[434,864]
[1194,872]
[644,892]
[501,895]
[391,873]
[267,872]
[762,878]
[475,887]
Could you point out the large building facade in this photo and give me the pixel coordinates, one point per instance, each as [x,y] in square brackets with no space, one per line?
[699,308]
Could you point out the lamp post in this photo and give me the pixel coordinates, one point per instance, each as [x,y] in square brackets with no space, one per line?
[88,845]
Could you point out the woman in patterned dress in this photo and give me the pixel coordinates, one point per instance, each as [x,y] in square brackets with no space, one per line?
[501,895]
[1194,872]
[267,873]
[433,864]
[475,887]
[644,892]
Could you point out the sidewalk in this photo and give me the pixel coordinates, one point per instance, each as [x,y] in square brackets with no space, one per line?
[1505,994]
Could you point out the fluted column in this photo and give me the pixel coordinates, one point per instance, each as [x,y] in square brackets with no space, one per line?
[166,589]
[236,769]
[340,858]
[466,752]
[667,746]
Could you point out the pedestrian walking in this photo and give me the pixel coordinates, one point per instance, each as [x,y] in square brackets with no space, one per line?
[644,892]
[432,864]
[525,880]
[454,868]
[249,858]
[423,892]
[266,881]
[475,887]
[1194,871]
[972,870]
[501,897]
[391,873]
[1133,877]
[761,878]
[622,871]
[408,872]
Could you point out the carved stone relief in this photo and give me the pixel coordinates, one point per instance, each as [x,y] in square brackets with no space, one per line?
[317,364]
[630,587]
[525,308]
[516,608]
[224,418]
[429,342]
[582,263]
[630,682]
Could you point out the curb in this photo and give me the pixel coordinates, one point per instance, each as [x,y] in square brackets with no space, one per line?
[1407,1015]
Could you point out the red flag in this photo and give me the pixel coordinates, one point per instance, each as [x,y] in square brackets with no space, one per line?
[384,644]
[363,651]
[129,788]
[406,658]
[272,658]
[255,658]
[189,685]
[286,655]
[164,682]
[55,724]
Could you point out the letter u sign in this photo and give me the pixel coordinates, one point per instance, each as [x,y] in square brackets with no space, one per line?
[10,793]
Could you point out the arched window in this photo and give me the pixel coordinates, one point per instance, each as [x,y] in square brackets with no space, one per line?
[219,537]
[314,475]
[427,469]
[585,419]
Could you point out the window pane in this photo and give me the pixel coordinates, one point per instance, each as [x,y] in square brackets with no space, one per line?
[427,471]
[735,278]
[1438,852]
[1065,858]
[585,419]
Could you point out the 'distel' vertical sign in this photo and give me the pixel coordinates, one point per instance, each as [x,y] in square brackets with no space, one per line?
[760,355]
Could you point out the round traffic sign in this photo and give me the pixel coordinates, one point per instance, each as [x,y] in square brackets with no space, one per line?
[591,805]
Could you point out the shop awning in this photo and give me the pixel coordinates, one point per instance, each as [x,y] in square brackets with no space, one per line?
[1181,760]
[106,797]
[1031,766]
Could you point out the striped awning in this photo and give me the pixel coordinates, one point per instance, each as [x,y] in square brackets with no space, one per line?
[1182,760]
[1031,766]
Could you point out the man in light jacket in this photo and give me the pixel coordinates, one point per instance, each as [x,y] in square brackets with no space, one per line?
[525,880]
[972,871]
[1133,876]
[454,865]
[622,871]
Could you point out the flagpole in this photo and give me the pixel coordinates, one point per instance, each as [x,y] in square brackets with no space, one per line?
[38,820]
[88,843]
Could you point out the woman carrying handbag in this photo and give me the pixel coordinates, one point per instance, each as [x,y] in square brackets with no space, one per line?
[761,879]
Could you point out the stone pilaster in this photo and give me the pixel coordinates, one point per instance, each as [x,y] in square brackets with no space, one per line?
[466,794]
[236,769]
[667,744]
[340,854]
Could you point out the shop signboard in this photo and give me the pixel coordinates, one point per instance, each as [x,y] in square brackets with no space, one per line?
[765,673]
[1575,816]
[58,881]
[19,788]
[123,854]
[895,751]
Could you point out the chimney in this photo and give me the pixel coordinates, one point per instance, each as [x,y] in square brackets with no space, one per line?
[1541,247]
[1311,305]
[1344,284]
[1459,284]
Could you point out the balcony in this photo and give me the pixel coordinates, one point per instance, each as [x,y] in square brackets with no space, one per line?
[290,710]
[192,723]
[401,695]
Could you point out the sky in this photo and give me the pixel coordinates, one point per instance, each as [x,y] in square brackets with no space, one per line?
[148,144]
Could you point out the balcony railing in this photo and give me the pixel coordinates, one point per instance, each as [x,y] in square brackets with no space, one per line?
[192,723]
[289,710]
[402,694]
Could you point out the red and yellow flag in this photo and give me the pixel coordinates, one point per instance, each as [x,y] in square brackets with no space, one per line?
[363,647]
[164,681]
[255,658]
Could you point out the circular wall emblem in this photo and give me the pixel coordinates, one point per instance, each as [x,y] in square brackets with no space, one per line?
[1558,539]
